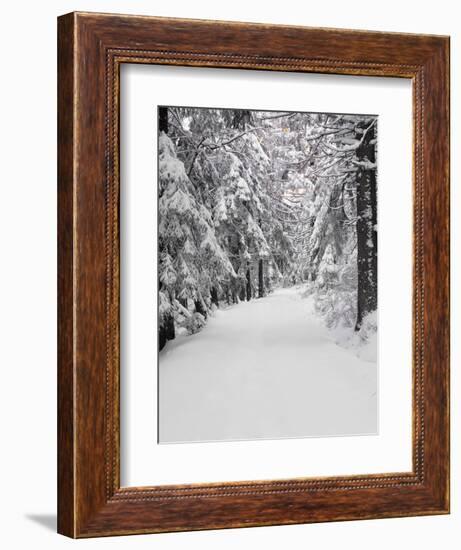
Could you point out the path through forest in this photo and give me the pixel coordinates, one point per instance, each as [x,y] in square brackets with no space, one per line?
[267,368]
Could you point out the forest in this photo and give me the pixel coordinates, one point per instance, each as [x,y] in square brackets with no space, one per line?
[250,202]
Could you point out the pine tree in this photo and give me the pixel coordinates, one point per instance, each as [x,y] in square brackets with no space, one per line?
[249,200]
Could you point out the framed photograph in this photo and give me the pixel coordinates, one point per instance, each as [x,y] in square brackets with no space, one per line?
[253,275]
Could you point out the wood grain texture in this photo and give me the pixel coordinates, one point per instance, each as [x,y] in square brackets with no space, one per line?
[91,49]
[66,471]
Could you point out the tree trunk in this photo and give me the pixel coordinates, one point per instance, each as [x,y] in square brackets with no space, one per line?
[367,241]
[261,278]
[241,119]
[163,119]
[248,285]
[199,308]
[214,296]
[166,331]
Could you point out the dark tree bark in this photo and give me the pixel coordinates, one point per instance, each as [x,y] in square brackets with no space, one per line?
[214,296]
[199,308]
[243,292]
[367,242]
[163,119]
[162,339]
[166,331]
[241,119]
[261,278]
[248,284]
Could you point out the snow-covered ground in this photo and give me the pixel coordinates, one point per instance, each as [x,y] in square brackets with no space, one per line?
[264,369]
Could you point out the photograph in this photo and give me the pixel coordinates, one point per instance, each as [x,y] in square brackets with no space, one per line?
[267,274]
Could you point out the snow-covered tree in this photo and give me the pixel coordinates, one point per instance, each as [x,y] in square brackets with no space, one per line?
[250,200]
[191,260]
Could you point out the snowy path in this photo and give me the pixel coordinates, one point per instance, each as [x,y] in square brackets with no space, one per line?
[263,369]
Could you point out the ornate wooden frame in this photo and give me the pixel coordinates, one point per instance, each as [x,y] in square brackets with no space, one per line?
[91,48]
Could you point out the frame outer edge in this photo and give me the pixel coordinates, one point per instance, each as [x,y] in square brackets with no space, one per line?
[85,507]
[66,485]
[438,318]
[448,176]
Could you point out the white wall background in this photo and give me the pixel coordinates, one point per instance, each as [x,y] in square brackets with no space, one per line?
[28,272]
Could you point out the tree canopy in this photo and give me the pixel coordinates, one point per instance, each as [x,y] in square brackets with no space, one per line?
[251,200]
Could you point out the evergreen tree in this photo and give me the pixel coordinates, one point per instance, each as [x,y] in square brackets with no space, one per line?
[250,200]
